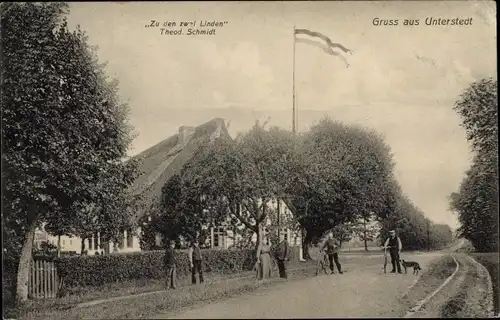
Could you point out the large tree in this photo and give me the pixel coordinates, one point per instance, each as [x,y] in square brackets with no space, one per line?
[343,177]
[236,179]
[65,131]
[476,203]
[477,206]
[478,108]
[180,213]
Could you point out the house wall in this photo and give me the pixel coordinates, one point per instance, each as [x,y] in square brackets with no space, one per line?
[223,237]
[126,245]
[68,243]
[92,245]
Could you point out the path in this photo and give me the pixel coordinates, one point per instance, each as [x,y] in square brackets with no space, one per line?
[362,291]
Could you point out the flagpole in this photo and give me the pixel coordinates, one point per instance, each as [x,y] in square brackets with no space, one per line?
[293,85]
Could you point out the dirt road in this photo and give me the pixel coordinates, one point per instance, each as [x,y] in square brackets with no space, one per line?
[362,291]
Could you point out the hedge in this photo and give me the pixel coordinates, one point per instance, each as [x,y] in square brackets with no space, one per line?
[83,271]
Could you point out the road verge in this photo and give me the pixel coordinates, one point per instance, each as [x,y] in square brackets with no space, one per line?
[441,267]
[145,305]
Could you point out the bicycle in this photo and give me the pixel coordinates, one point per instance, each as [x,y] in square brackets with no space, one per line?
[385,258]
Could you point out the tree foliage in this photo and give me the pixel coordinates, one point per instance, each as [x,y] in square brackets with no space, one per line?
[476,201]
[343,232]
[331,177]
[344,173]
[414,229]
[478,108]
[367,229]
[65,131]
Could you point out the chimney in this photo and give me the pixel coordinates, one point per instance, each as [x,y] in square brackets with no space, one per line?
[184,133]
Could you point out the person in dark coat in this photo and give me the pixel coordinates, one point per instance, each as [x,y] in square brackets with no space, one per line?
[282,255]
[394,245]
[170,267]
[332,250]
[196,261]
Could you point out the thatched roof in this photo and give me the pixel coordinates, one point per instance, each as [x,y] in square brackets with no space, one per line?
[160,162]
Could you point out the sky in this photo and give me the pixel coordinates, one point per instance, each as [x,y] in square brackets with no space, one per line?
[402,81]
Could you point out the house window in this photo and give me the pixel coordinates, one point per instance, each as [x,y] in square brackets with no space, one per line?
[219,237]
[130,239]
[64,242]
[90,244]
[267,236]
[70,242]
[285,234]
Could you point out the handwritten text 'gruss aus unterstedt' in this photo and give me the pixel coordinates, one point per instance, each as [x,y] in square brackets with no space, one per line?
[428,21]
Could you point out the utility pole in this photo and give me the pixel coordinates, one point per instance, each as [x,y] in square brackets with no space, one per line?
[294,124]
[428,236]
[279,225]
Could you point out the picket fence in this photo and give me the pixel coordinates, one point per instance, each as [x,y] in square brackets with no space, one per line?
[43,282]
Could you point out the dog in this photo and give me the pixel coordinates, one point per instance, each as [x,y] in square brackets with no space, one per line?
[411,264]
[322,264]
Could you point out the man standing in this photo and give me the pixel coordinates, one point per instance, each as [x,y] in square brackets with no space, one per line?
[332,250]
[282,254]
[394,245]
[195,260]
[170,265]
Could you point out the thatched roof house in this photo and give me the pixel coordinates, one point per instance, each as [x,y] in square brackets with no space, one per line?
[157,164]
[160,162]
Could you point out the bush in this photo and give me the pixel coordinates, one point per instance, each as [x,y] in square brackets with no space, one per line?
[9,281]
[85,271]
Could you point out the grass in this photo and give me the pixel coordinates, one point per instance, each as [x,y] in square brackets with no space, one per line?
[459,305]
[79,295]
[161,302]
[456,306]
[437,271]
[470,300]
[492,262]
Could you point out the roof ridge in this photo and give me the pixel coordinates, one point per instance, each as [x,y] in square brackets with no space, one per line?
[162,164]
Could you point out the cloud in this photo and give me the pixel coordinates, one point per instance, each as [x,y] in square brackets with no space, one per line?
[240,73]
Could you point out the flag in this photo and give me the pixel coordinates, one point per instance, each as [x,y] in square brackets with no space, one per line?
[326,45]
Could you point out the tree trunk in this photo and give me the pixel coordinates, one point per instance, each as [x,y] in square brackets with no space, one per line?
[23,272]
[305,245]
[82,249]
[364,234]
[58,246]
[257,242]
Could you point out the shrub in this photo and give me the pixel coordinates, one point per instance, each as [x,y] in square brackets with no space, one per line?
[82,271]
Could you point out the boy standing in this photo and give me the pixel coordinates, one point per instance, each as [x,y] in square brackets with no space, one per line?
[195,259]
[170,265]
[282,255]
